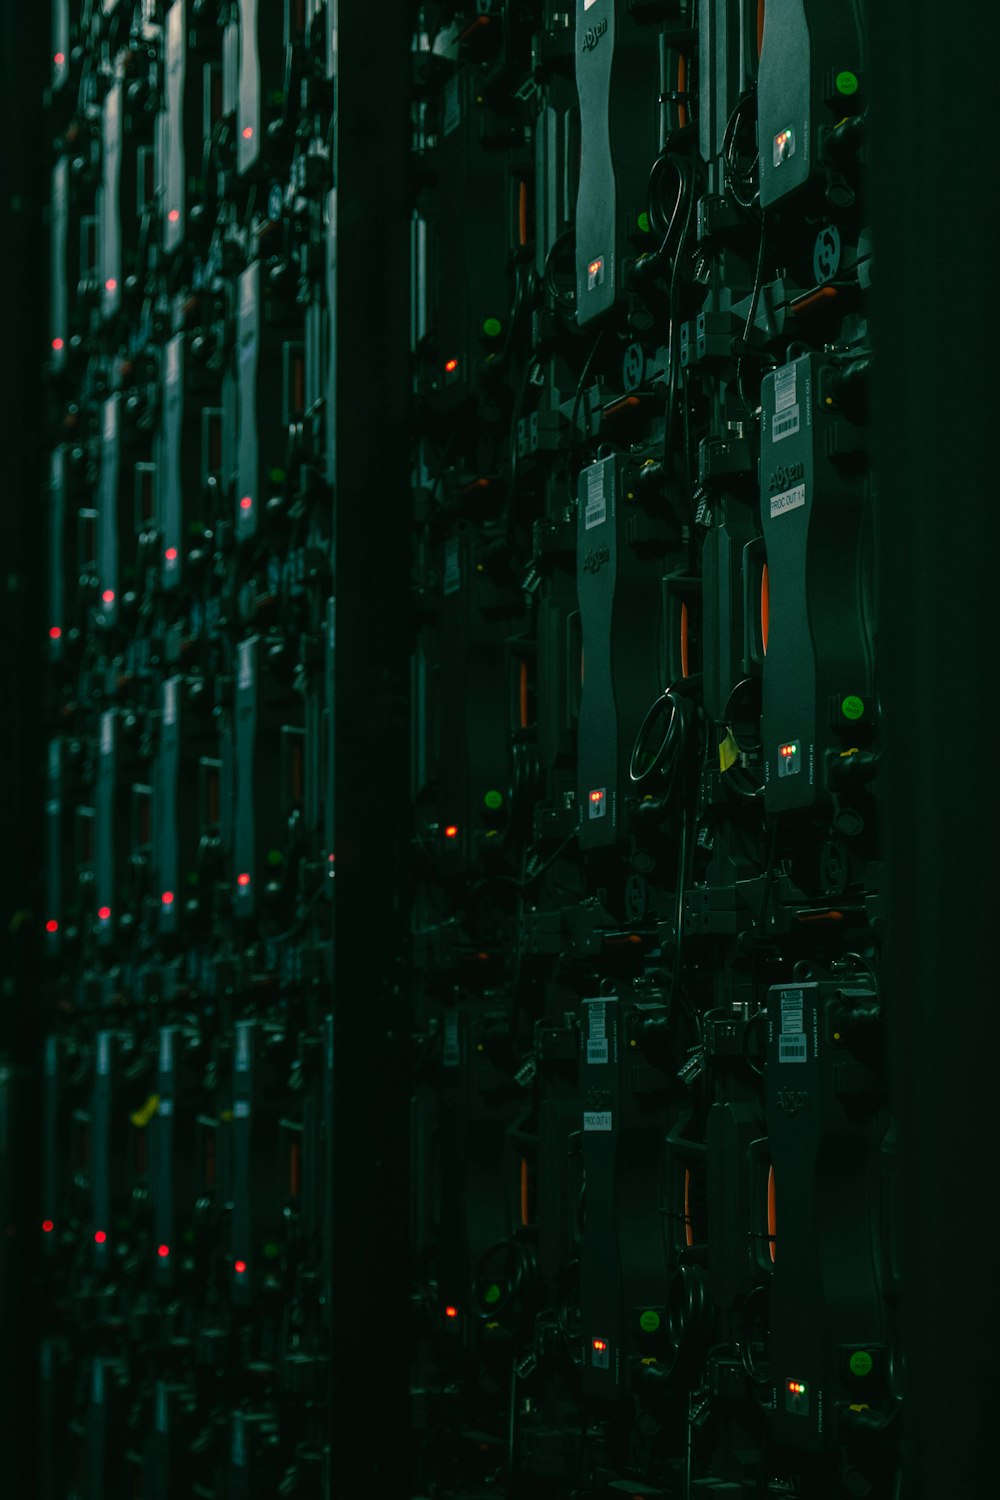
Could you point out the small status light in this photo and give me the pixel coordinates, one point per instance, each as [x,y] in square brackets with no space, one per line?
[494,800]
[248,132]
[47,1226]
[600,1345]
[597,796]
[450,365]
[99,1237]
[111,285]
[451,1312]
[493,328]
[52,925]
[593,267]
[239,1267]
[451,832]
[55,631]
[167,898]
[163,1251]
[59,59]
[58,344]
[643,222]
[108,596]
[246,503]
[104,912]
[174,215]
[243,879]
[171,554]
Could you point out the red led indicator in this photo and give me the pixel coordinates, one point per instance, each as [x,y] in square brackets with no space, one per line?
[246,503]
[597,796]
[111,285]
[451,1312]
[243,879]
[451,832]
[47,1226]
[108,596]
[57,344]
[99,1237]
[104,912]
[450,366]
[167,898]
[239,1267]
[163,1251]
[174,215]
[248,132]
[52,925]
[55,631]
[59,59]
[600,1345]
[171,554]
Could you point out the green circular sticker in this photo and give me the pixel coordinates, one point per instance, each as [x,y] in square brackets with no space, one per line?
[643,222]
[493,800]
[853,707]
[493,328]
[650,1321]
[492,1294]
[847,82]
[861,1362]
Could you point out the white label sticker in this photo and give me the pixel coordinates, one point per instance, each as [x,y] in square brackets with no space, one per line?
[791,1011]
[55,759]
[108,733]
[241,1109]
[784,426]
[597,1119]
[784,387]
[167,1049]
[242,1064]
[244,652]
[597,1044]
[788,500]
[165,1108]
[162,1409]
[596,510]
[104,1052]
[793,1049]
[170,691]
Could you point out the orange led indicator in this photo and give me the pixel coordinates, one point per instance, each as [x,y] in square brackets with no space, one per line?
[450,366]
[600,1345]
[243,879]
[594,267]
[451,832]
[451,1312]
[248,132]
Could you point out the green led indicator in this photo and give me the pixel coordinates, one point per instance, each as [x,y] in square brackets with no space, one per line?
[847,82]
[276,476]
[853,707]
[188,1236]
[277,96]
[861,1362]
[492,1294]
[493,800]
[275,857]
[643,222]
[271,1251]
[493,328]
[650,1321]
[192,877]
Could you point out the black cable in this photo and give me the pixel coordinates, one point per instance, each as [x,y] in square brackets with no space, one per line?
[588,365]
[673,347]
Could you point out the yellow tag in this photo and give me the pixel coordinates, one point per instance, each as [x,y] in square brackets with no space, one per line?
[142,1116]
[648,1361]
[860,1408]
[728,752]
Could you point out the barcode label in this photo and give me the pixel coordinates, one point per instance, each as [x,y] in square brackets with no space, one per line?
[792,1049]
[784,426]
[784,387]
[597,1044]
[596,510]
[597,1119]
[791,1011]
